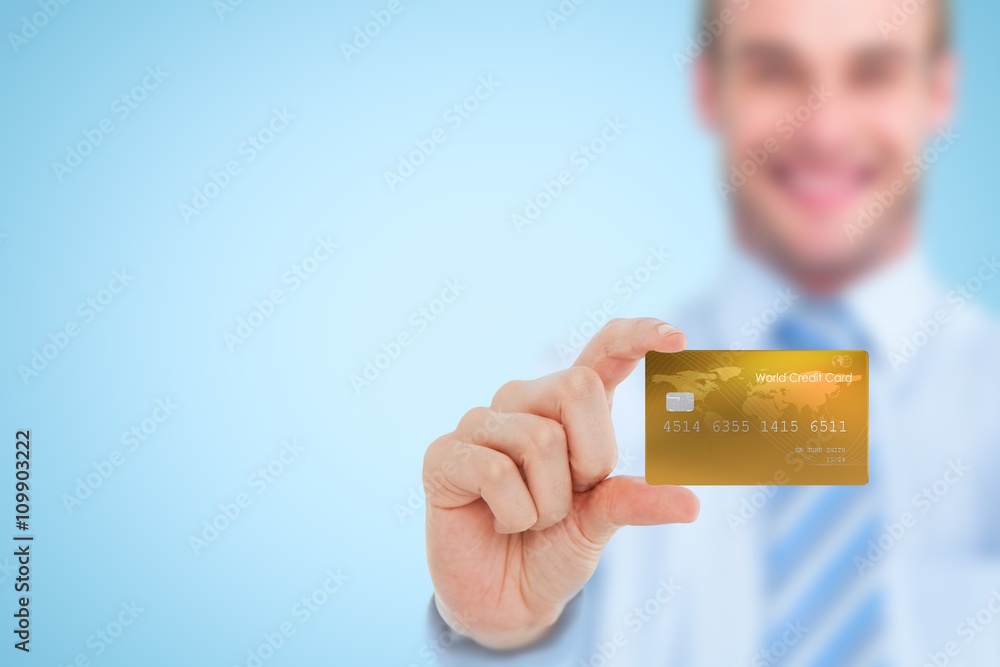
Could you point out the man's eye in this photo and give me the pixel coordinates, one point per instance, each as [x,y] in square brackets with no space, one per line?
[772,74]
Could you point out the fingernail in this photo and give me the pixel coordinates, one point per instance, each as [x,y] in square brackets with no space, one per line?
[666,330]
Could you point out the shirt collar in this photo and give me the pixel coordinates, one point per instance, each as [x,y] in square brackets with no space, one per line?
[886,304]
[891,301]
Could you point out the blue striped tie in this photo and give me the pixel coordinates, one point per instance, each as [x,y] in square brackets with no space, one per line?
[823,613]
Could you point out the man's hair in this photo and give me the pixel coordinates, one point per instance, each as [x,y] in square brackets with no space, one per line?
[710,10]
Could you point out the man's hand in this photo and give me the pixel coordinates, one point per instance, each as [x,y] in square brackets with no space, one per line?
[519,502]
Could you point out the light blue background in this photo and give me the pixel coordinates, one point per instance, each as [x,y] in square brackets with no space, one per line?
[336,506]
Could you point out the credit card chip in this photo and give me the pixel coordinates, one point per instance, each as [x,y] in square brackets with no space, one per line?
[680,401]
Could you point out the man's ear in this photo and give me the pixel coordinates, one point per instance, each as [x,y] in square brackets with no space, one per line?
[706,90]
[943,90]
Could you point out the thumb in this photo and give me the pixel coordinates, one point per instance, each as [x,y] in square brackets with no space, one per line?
[628,501]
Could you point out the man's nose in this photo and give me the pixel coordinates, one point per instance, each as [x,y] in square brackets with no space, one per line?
[828,120]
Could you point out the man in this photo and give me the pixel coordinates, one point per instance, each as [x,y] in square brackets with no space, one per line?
[825,110]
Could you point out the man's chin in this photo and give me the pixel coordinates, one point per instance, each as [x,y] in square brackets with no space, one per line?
[819,242]
[822,255]
[811,247]
[822,268]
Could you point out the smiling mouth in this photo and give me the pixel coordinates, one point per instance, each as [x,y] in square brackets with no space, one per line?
[823,189]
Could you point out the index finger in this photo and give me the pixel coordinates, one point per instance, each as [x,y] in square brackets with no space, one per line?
[617,348]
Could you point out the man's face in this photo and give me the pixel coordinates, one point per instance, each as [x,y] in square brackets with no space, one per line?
[823,107]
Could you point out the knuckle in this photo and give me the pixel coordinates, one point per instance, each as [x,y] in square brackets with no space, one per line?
[615,323]
[506,392]
[445,455]
[433,476]
[549,439]
[433,453]
[472,420]
[597,469]
[583,381]
[612,331]
[497,469]
[556,509]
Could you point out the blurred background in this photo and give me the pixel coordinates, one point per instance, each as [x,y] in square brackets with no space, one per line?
[269,329]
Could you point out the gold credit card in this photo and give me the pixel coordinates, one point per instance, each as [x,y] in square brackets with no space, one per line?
[757,417]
